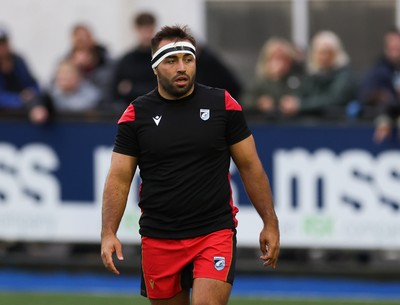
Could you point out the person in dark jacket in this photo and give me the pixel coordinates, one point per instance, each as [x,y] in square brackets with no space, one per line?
[380,89]
[18,87]
[133,76]
[213,72]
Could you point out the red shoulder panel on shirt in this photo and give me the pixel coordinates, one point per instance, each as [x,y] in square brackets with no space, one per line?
[128,115]
[231,103]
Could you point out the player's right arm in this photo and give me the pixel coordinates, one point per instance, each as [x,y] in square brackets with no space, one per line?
[115,195]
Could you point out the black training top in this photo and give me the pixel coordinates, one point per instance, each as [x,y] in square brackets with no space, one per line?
[182,148]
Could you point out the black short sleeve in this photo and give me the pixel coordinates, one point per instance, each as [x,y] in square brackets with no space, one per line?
[126,141]
[237,129]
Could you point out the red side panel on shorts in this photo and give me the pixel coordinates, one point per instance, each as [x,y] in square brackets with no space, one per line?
[235,209]
[231,103]
[128,115]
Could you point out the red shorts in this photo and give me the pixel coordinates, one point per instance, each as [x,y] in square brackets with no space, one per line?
[170,265]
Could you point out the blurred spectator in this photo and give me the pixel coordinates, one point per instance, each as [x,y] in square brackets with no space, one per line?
[18,88]
[91,57]
[69,93]
[213,72]
[380,90]
[278,74]
[330,83]
[133,74]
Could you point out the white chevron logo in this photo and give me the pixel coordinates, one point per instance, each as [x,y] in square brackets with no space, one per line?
[157,119]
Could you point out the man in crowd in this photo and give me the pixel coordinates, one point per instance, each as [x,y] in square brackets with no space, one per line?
[133,75]
[18,88]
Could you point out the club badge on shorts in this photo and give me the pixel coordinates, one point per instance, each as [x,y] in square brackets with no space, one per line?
[204,114]
[219,262]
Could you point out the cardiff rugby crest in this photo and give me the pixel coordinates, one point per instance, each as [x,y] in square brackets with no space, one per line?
[219,262]
[204,114]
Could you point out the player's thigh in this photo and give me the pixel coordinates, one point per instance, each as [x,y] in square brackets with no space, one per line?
[210,292]
[182,298]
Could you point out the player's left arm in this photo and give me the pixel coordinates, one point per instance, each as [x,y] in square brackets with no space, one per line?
[256,183]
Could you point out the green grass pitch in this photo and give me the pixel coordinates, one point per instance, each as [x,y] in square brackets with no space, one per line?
[17,298]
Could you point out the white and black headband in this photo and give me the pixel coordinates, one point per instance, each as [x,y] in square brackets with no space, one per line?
[170,49]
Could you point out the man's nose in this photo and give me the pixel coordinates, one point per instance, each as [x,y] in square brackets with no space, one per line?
[181,65]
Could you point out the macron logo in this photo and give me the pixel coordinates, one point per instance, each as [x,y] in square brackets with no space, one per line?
[157,119]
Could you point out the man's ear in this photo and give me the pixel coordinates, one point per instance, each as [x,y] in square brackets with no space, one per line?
[155,71]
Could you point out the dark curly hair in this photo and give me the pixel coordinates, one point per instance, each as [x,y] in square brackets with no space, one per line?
[177,33]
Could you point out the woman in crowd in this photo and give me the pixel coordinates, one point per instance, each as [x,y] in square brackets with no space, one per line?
[330,83]
[278,76]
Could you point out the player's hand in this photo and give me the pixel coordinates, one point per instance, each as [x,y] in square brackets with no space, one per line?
[269,245]
[109,245]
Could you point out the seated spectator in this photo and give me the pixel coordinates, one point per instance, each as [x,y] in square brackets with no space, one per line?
[380,89]
[69,93]
[18,88]
[133,74]
[330,83]
[91,57]
[279,74]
